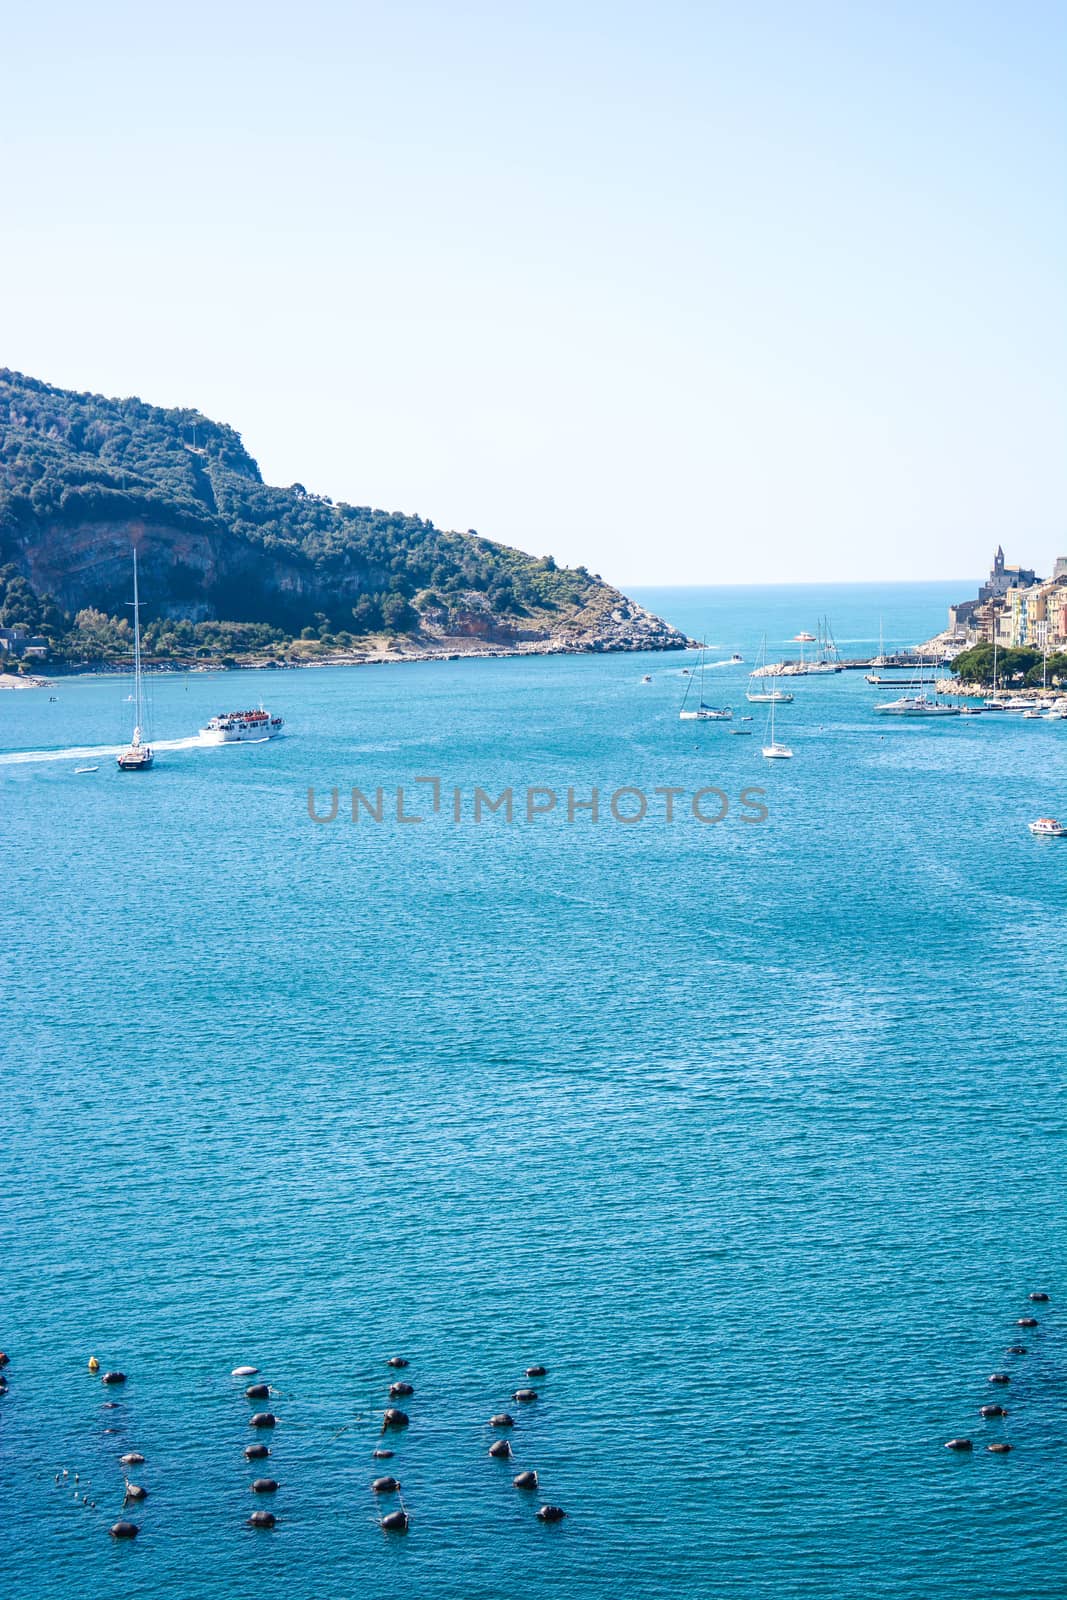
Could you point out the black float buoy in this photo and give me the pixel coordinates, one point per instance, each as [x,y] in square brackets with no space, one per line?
[134,1491]
[5,1359]
[551,1514]
[536,1372]
[999,1377]
[397,1361]
[1039,1296]
[124,1530]
[264,1485]
[998,1449]
[262,1419]
[113,1377]
[502,1420]
[261,1519]
[395,1522]
[132,1458]
[394,1418]
[500,1448]
[992,1411]
[525,1480]
[397,1391]
[257,1391]
[1016,1350]
[256,1452]
[524,1396]
[244,1372]
[1026,1322]
[382,1455]
[959,1444]
[385,1485]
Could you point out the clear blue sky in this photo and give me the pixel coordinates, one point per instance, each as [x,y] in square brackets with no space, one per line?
[688,292]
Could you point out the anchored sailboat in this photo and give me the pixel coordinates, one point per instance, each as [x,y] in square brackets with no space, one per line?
[138,756]
[775,751]
[703,713]
[762,696]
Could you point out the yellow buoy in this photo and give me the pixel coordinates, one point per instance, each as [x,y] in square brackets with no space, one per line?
[94,1365]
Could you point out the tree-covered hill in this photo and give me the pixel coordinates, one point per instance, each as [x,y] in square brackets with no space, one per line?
[229,562]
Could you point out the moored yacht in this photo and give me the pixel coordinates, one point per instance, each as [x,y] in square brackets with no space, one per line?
[916,705]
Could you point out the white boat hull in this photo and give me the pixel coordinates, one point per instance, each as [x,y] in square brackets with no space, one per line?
[236,729]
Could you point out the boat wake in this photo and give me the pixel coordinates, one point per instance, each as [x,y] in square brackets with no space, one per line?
[14,758]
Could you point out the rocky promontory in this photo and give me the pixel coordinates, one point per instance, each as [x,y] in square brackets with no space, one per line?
[234,567]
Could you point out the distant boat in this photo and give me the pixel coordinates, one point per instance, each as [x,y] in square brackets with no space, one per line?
[703,713]
[737,658]
[1048,828]
[757,696]
[77,770]
[138,757]
[775,751]
[647,678]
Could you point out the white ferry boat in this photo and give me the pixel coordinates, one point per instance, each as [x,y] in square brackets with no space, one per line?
[234,726]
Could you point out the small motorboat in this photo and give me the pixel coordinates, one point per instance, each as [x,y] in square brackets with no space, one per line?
[647,678]
[1029,716]
[1048,828]
[737,658]
[741,733]
[78,770]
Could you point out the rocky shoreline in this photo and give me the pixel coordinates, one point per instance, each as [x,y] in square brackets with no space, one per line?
[644,633]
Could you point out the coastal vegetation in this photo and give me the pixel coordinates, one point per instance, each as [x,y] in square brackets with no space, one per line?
[1013,667]
[231,564]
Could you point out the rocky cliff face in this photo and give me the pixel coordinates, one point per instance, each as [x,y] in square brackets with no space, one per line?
[192,573]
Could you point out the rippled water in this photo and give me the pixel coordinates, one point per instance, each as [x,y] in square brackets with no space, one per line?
[753,1134]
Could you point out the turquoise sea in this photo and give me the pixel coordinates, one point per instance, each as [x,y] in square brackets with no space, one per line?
[751,1132]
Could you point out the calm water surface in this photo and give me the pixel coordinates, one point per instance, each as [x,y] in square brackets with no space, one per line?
[753,1134]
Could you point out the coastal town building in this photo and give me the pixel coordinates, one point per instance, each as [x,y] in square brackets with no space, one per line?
[19,642]
[1002,578]
[1015,608]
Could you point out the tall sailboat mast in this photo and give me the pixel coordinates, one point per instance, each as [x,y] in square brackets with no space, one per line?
[138,719]
[138,757]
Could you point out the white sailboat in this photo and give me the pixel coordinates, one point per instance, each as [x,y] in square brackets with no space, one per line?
[703,713]
[758,696]
[138,755]
[775,751]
